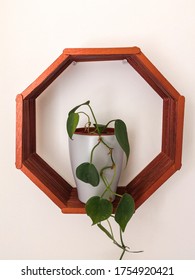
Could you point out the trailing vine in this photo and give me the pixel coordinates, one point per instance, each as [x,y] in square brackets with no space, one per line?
[98,208]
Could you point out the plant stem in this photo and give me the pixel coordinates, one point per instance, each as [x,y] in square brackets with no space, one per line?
[92,151]
[110,234]
[94,119]
[81,112]
[110,122]
[111,231]
[121,238]
[110,151]
[121,257]
[107,185]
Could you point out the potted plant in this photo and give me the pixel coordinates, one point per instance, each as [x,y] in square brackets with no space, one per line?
[96,169]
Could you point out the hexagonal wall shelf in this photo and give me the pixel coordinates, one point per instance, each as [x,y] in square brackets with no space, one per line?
[164,165]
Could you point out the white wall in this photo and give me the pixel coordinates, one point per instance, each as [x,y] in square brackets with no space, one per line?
[33,34]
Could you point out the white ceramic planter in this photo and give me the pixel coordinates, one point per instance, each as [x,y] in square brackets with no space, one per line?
[80,149]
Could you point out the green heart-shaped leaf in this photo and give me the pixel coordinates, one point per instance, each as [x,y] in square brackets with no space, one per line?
[72,123]
[98,209]
[88,173]
[122,137]
[125,210]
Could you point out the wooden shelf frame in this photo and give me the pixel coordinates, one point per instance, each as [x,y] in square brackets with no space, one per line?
[163,166]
